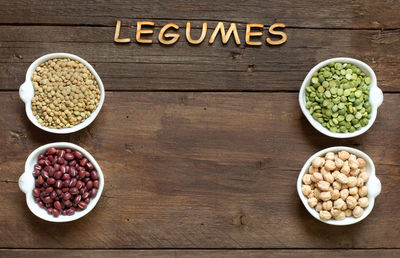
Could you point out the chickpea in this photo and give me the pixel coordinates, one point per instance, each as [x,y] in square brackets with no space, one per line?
[364,176]
[335,212]
[355,172]
[317,192]
[311,194]
[325,215]
[316,177]
[335,194]
[344,155]
[330,156]
[345,169]
[352,157]
[327,205]
[328,177]
[351,202]
[312,202]
[306,189]
[323,185]
[363,191]
[337,185]
[353,190]
[342,178]
[360,182]
[348,212]
[352,181]
[341,216]
[312,170]
[318,207]
[325,196]
[330,165]
[335,174]
[361,162]
[344,194]
[362,202]
[358,212]
[353,164]
[339,163]
[330,189]
[307,179]
[318,162]
[338,204]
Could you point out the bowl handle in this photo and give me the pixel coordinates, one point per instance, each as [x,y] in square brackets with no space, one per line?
[25,181]
[376,186]
[26,91]
[376,96]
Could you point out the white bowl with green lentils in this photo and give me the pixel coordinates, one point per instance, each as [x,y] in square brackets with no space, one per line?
[327,197]
[62,93]
[340,97]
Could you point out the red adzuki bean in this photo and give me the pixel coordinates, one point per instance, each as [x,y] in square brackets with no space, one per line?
[65,180]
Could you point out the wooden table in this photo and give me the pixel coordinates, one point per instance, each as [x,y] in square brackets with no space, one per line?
[201,145]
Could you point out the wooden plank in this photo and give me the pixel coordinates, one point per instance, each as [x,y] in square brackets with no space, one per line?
[33,253]
[198,170]
[199,68]
[313,13]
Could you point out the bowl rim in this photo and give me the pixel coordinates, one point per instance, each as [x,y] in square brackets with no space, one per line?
[26,183]
[373,184]
[376,96]
[26,92]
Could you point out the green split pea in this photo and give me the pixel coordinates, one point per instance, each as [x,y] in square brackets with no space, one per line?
[338,97]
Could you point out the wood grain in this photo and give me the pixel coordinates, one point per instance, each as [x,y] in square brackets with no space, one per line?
[198,170]
[198,68]
[33,253]
[312,13]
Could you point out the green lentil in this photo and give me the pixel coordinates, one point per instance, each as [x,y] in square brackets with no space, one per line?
[66,93]
[338,97]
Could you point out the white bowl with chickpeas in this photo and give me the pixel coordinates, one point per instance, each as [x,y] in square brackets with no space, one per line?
[338,185]
[62,93]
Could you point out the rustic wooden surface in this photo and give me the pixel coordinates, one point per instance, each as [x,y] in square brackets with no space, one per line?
[201,146]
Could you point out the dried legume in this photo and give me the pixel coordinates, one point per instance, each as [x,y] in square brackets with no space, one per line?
[338,97]
[58,188]
[336,195]
[66,93]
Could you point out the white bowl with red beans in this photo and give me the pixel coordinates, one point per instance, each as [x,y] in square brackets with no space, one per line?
[62,182]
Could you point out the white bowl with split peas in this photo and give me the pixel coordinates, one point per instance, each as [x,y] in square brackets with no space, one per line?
[373,185]
[27,92]
[375,97]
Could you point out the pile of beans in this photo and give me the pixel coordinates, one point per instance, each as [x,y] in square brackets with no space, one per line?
[335,185]
[338,97]
[64,181]
[66,93]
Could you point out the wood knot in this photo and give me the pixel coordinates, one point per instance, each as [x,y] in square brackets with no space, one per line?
[240,220]
[261,164]
[235,55]
[250,68]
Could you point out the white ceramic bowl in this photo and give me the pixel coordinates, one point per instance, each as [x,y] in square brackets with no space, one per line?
[375,97]
[27,183]
[26,93]
[373,184]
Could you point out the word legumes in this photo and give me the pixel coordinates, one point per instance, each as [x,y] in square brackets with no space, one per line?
[335,185]
[338,97]
[64,181]
[66,93]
